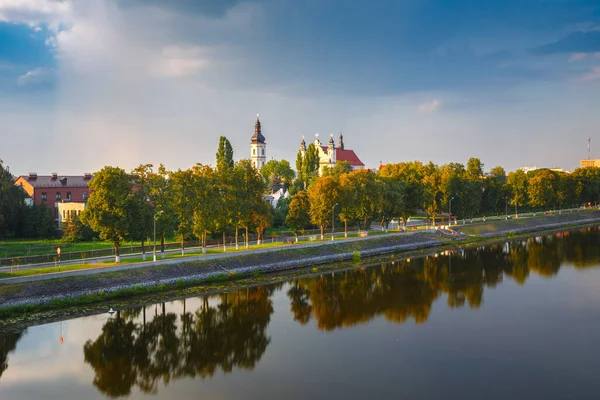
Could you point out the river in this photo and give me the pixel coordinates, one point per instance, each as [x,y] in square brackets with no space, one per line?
[516,320]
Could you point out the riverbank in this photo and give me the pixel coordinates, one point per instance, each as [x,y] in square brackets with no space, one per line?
[255,266]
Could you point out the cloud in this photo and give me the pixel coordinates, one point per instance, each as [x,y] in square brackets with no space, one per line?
[35,77]
[177,62]
[34,12]
[592,75]
[583,56]
[575,42]
[430,106]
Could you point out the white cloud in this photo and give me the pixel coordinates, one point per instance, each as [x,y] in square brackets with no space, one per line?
[593,74]
[430,106]
[35,76]
[34,12]
[180,61]
[583,56]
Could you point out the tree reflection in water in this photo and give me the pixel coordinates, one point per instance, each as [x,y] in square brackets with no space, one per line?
[404,290]
[134,351]
[8,344]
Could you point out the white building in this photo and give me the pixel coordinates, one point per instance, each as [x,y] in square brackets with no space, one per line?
[258,147]
[330,155]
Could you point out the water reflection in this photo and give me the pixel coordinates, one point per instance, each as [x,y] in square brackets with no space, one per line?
[149,347]
[407,289]
[136,350]
[8,344]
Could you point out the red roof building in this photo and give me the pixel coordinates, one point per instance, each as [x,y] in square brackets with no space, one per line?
[330,155]
[54,189]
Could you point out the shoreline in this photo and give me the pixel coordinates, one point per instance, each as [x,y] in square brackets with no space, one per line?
[41,300]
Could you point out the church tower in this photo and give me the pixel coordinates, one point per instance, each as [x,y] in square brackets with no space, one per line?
[258,147]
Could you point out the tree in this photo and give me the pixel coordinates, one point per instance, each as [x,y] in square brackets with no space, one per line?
[106,210]
[298,217]
[411,174]
[310,165]
[278,174]
[73,230]
[261,218]
[224,154]
[140,209]
[160,196]
[206,201]
[517,187]
[322,195]
[541,190]
[393,194]
[181,188]
[248,188]
[365,195]
[340,168]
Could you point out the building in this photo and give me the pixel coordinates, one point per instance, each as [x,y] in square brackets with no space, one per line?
[54,189]
[258,147]
[67,209]
[330,155]
[589,163]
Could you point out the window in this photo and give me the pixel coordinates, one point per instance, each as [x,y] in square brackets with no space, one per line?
[44,196]
[64,214]
[68,195]
[57,195]
[253,152]
[84,195]
[263,152]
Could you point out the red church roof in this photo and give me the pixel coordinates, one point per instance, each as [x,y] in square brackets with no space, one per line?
[346,155]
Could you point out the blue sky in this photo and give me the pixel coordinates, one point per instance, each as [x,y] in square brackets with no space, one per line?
[123,82]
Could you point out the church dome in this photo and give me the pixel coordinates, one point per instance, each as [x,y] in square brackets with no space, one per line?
[258,136]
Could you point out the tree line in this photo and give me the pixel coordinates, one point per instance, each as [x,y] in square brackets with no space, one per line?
[203,201]
[398,191]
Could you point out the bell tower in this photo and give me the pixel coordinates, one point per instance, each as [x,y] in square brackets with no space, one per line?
[258,147]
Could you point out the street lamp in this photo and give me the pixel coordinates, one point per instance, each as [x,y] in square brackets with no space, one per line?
[155,215]
[332,221]
[450,211]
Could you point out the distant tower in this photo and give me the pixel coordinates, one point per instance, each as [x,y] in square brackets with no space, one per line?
[303,147]
[341,142]
[331,151]
[258,147]
[589,140]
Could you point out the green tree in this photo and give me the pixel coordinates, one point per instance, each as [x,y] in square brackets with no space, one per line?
[278,174]
[140,208]
[322,195]
[340,168]
[162,200]
[298,217]
[181,188]
[206,201]
[310,165]
[541,190]
[517,183]
[106,210]
[224,154]
[411,174]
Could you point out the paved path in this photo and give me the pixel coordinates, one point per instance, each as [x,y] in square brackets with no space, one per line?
[204,257]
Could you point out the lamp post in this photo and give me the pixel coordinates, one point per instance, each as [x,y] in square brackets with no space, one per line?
[506,198]
[332,221]
[154,252]
[450,211]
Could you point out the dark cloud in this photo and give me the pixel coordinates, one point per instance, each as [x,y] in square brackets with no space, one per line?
[576,42]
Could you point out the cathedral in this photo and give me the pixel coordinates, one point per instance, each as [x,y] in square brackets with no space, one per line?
[328,155]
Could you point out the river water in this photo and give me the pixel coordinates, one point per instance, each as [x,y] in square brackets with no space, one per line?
[518,320]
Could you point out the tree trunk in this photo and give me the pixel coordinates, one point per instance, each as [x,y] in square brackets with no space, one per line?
[345,228]
[204,242]
[162,246]
[247,240]
[143,251]
[117,255]
[182,245]
[236,238]
[322,232]
[224,242]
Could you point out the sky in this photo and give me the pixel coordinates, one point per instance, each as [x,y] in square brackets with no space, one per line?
[87,83]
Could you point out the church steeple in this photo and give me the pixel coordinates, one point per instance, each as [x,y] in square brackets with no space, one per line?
[258,146]
[257,137]
[341,142]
